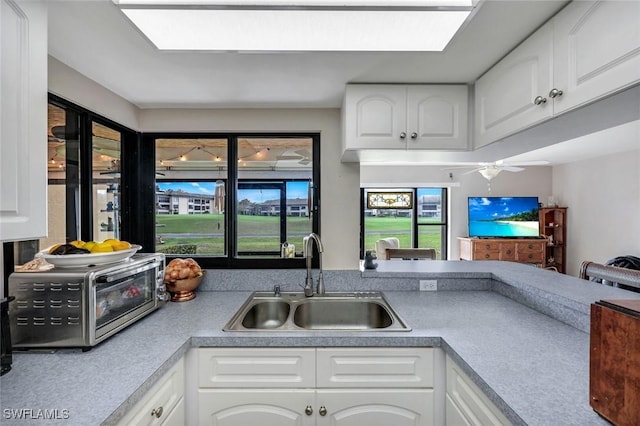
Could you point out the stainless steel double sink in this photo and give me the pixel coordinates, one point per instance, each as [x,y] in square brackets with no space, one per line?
[292,311]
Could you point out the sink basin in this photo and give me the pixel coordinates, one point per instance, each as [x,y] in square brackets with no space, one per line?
[329,314]
[266,314]
[364,311]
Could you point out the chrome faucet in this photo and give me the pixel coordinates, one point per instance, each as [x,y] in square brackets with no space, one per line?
[307,247]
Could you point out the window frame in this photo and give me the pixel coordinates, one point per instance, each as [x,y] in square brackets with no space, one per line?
[415,225]
[229,261]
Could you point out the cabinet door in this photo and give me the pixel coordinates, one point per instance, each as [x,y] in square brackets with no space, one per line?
[375,407]
[504,96]
[437,117]
[163,402]
[375,116]
[596,50]
[23,120]
[264,407]
[465,399]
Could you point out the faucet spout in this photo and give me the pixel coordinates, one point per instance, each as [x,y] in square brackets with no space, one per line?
[307,245]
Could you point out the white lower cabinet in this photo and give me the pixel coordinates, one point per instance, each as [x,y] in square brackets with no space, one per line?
[164,402]
[346,386]
[375,407]
[466,404]
[264,407]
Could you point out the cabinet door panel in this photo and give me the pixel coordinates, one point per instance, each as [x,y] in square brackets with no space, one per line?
[438,115]
[504,102]
[266,407]
[379,367]
[375,115]
[376,407]
[256,367]
[590,62]
[23,120]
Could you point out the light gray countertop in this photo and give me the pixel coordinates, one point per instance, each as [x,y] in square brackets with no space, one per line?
[534,367]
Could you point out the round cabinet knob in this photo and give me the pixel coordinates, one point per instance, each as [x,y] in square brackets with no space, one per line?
[539,100]
[157,412]
[323,411]
[308,411]
[508,251]
[403,135]
[554,93]
[486,256]
[414,135]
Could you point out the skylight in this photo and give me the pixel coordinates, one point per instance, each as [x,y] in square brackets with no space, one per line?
[298,25]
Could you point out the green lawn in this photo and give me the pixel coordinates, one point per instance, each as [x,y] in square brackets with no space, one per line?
[261,233]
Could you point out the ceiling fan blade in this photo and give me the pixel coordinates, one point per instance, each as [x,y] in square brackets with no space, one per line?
[303,152]
[525,163]
[511,168]
[472,171]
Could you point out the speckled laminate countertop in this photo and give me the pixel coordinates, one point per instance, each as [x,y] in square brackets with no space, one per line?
[534,367]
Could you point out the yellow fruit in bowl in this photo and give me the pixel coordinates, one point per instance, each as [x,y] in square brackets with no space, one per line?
[101,248]
[77,243]
[89,245]
[53,248]
[121,245]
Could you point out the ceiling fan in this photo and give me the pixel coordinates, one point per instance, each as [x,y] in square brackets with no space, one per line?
[302,155]
[491,170]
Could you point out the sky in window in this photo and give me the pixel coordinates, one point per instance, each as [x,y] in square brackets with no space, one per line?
[294,190]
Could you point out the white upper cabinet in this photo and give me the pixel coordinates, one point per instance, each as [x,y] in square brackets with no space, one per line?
[596,50]
[381,116]
[23,120]
[589,50]
[505,100]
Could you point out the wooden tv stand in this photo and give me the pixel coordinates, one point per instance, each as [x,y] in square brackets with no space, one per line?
[523,250]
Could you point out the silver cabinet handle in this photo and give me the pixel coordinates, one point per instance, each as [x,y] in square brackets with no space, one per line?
[403,135]
[539,100]
[323,411]
[414,135]
[308,411]
[157,412]
[555,93]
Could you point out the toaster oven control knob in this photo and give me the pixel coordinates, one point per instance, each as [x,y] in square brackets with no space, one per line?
[157,412]
[161,293]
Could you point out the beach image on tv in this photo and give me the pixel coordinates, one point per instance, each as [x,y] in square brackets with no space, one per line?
[503,217]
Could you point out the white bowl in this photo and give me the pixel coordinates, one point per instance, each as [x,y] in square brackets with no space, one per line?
[88,259]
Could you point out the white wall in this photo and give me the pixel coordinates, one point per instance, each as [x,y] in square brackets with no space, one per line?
[75,87]
[533,181]
[603,199]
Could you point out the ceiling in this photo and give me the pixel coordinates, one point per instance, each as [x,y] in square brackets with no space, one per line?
[95,38]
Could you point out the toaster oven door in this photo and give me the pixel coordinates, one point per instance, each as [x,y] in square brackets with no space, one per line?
[122,298]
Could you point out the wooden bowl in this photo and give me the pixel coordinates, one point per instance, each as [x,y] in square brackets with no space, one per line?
[183,290]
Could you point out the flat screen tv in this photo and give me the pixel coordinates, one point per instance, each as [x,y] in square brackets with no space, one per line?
[503,217]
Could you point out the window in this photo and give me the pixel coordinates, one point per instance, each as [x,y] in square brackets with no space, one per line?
[84,174]
[239,212]
[416,216]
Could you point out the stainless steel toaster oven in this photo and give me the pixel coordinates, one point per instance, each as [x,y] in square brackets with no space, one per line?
[80,307]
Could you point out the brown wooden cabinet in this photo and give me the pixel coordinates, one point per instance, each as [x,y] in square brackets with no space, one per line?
[553,226]
[524,250]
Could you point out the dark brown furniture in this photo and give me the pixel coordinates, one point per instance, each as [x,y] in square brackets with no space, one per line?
[614,373]
[553,226]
